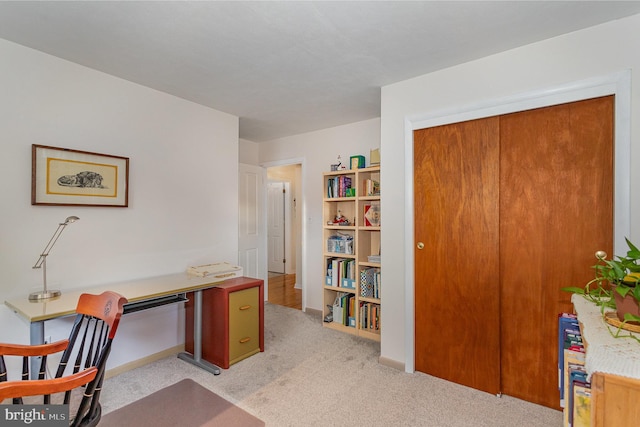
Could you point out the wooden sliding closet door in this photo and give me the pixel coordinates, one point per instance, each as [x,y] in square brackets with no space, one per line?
[556,210]
[457,272]
[508,210]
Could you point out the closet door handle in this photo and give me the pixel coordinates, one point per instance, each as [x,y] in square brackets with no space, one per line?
[245,307]
[244,340]
[420,245]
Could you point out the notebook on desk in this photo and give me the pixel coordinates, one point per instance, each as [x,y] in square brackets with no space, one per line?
[217,270]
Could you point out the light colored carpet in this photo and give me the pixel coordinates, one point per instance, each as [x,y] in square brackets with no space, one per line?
[314,376]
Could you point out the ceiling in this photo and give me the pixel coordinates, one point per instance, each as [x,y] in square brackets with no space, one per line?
[287,68]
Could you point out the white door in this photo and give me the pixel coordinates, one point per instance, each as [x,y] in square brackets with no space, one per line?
[276,227]
[252,254]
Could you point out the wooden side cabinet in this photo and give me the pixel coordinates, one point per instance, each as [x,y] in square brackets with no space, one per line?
[232,321]
[614,400]
[615,382]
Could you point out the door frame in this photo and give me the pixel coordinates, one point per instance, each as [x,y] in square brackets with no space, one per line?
[618,84]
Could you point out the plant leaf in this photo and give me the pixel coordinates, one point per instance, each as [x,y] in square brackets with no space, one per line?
[622,290]
[628,317]
[634,252]
[616,270]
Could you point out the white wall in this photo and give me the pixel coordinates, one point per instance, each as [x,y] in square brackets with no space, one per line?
[182,200]
[587,54]
[248,152]
[319,150]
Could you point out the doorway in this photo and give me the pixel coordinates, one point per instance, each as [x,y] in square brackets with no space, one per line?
[284,235]
[514,206]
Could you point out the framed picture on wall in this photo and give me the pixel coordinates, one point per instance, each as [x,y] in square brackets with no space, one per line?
[62,176]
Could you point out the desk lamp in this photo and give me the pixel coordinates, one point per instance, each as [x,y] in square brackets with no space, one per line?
[42,262]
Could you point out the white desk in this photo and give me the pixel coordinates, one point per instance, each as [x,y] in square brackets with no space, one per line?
[141,294]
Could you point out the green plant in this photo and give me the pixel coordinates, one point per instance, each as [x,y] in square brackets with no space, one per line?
[620,274]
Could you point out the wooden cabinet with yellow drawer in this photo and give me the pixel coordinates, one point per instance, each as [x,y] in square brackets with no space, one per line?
[232,321]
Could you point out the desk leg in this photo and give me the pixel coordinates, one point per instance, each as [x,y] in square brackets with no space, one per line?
[36,337]
[196,357]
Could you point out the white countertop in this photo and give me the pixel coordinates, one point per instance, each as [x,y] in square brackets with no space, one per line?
[618,356]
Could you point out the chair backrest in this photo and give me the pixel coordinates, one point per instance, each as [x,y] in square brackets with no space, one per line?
[85,354]
[90,340]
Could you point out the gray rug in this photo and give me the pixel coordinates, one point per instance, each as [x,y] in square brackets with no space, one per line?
[186,404]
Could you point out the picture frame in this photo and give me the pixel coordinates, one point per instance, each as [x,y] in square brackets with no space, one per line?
[63,176]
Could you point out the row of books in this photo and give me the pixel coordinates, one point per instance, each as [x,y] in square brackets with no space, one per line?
[371,187]
[370,316]
[370,282]
[341,272]
[344,309]
[575,389]
[340,187]
[344,312]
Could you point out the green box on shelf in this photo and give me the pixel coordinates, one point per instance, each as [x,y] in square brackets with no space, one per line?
[356,162]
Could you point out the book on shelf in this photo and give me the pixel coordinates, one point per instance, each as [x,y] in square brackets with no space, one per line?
[370,282]
[340,186]
[372,214]
[574,388]
[581,406]
[341,272]
[577,378]
[566,322]
[370,316]
[573,364]
[344,309]
[371,187]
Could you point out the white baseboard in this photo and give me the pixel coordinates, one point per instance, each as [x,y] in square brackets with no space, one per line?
[313,312]
[391,363]
[144,361]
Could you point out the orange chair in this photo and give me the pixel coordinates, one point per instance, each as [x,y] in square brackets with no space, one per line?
[82,365]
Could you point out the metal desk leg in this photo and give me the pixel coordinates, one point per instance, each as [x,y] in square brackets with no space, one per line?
[36,337]
[196,357]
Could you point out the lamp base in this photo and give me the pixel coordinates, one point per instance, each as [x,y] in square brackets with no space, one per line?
[39,296]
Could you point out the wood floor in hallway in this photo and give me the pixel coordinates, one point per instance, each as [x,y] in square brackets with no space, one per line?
[283,292]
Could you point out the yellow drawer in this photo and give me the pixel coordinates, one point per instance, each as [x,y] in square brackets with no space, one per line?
[244,324]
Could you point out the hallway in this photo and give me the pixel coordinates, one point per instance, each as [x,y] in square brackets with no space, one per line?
[282,291]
